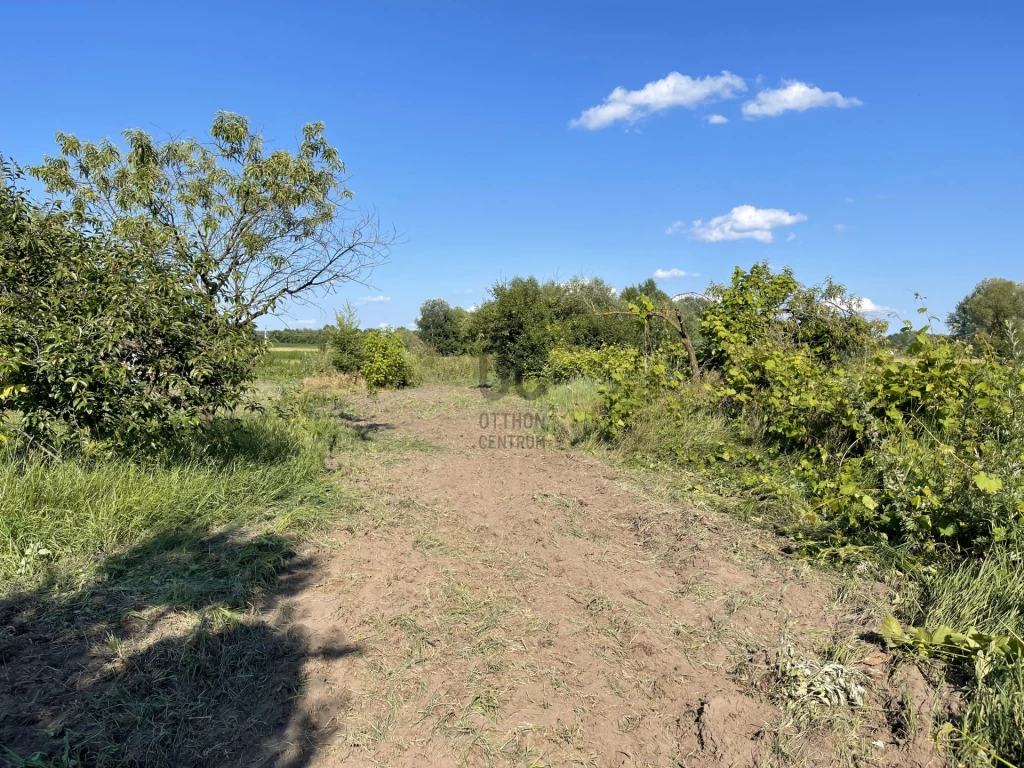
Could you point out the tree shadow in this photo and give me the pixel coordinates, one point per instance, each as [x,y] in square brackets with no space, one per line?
[166,658]
[364,428]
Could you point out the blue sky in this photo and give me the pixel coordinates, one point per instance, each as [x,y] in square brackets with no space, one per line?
[902,172]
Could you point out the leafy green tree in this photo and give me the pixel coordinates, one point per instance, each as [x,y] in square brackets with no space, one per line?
[100,341]
[580,318]
[438,325]
[250,228]
[346,340]
[986,314]
[516,324]
[656,332]
[648,288]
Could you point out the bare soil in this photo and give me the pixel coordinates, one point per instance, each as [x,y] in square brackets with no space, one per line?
[531,606]
[516,606]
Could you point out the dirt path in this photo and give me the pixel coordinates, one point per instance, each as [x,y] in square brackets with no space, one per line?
[530,607]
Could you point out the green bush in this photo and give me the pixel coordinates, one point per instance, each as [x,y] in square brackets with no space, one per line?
[100,340]
[565,364]
[385,364]
[345,341]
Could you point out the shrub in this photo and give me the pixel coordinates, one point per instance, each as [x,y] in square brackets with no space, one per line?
[345,341]
[566,364]
[99,340]
[385,361]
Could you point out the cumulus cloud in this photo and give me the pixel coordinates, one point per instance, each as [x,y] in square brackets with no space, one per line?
[676,227]
[673,90]
[791,237]
[473,308]
[716,119]
[744,222]
[867,307]
[372,299]
[668,274]
[794,95]
[384,325]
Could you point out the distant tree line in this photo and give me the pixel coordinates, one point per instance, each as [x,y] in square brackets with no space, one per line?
[308,336]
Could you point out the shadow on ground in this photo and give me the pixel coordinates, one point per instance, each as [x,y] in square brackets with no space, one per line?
[168,657]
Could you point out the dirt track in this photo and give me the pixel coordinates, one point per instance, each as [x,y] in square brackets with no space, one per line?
[524,606]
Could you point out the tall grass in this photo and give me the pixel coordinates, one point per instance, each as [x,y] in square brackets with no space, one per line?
[573,410]
[254,469]
[988,595]
[429,368]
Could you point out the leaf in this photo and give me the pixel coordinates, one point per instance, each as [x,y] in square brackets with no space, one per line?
[890,628]
[868,502]
[987,483]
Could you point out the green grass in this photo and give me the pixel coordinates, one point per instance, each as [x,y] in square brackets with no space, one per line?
[249,470]
[572,412]
[147,580]
[291,365]
[987,595]
[435,369]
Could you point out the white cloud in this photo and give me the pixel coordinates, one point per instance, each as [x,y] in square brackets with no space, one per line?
[796,96]
[716,119]
[464,291]
[791,237]
[841,227]
[384,325]
[668,274]
[867,307]
[372,299]
[744,222]
[305,322]
[673,90]
[473,308]
[675,228]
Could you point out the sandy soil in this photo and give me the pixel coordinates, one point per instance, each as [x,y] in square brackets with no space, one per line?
[531,606]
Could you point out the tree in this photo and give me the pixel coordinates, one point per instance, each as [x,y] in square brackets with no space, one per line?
[346,340]
[578,313]
[647,288]
[250,228]
[517,327]
[985,314]
[99,340]
[438,325]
